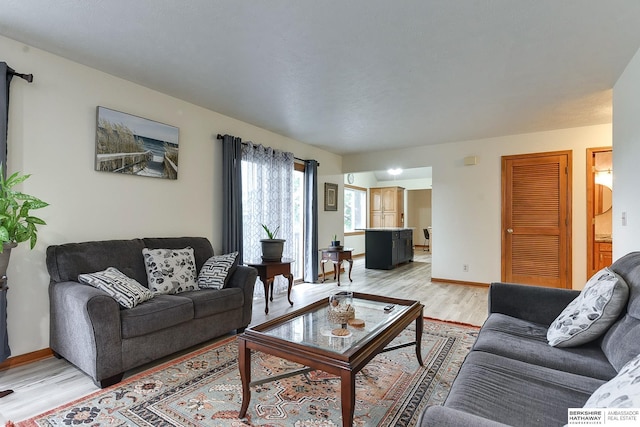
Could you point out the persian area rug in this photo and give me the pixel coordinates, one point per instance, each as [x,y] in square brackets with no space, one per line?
[203,388]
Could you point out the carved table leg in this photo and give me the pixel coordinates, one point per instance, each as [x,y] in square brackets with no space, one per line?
[271,282]
[350,267]
[348,397]
[290,278]
[244,364]
[419,328]
[265,282]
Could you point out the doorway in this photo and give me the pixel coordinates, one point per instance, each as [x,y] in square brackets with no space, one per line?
[536,219]
[599,209]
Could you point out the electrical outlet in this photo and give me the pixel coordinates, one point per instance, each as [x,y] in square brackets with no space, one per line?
[465,268]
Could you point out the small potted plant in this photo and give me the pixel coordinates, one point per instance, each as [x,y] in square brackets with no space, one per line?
[16,222]
[272,248]
[335,243]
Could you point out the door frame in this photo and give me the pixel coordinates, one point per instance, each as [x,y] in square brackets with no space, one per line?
[591,227]
[569,209]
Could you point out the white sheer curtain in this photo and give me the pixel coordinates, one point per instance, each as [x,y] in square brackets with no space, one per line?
[267,188]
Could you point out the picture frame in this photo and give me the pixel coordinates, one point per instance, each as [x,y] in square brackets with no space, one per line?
[134,145]
[330,196]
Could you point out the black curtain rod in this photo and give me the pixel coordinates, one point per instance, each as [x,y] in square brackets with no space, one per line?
[220,136]
[27,77]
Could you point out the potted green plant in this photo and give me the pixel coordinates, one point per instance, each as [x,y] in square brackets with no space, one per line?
[271,247]
[335,242]
[16,222]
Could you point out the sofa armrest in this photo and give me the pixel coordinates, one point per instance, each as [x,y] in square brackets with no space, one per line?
[533,303]
[244,277]
[85,328]
[441,416]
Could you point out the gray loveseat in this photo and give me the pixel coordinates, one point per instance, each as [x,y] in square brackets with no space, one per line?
[512,376]
[93,332]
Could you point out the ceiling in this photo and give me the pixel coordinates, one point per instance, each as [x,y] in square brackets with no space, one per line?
[358,75]
[406,174]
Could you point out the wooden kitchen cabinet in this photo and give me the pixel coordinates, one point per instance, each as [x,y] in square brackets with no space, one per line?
[386,207]
[603,255]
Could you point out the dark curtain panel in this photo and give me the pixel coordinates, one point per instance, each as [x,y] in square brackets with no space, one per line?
[5,351]
[232,195]
[6,77]
[310,221]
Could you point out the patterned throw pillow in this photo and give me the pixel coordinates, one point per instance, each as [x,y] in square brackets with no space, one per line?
[592,312]
[170,271]
[125,290]
[216,271]
[622,391]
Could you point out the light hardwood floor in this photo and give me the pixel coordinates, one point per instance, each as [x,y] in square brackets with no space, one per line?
[46,384]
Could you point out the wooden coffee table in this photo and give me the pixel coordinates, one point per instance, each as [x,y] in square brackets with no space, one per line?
[312,344]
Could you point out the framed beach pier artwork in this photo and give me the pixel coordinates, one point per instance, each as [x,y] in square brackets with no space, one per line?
[136,146]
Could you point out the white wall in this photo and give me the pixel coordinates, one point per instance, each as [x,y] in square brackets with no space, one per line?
[407,184]
[466,204]
[52,136]
[418,213]
[626,153]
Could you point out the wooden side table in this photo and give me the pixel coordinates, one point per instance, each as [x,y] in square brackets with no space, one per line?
[336,256]
[267,271]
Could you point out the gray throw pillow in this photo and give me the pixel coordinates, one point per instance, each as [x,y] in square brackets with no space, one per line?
[592,312]
[622,391]
[170,271]
[216,271]
[125,290]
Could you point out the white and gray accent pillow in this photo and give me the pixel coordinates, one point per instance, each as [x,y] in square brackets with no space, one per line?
[170,271]
[216,271]
[622,391]
[125,290]
[592,312]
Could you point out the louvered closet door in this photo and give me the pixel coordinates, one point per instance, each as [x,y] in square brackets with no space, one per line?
[536,219]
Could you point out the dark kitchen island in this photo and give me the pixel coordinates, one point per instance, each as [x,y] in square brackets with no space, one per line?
[387,247]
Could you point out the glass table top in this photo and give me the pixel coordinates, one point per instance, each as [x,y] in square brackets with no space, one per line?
[314,328]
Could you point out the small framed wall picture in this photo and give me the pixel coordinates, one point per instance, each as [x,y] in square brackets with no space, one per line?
[330,197]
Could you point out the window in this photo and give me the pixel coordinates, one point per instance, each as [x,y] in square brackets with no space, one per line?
[267,189]
[297,268]
[355,208]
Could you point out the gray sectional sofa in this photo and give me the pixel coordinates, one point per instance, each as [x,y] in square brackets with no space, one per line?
[512,376]
[103,339]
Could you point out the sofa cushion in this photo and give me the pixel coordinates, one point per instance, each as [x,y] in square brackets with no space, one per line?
[201,246]
[621,343]
[592,312]
[65,262]
[517,393]
[163,311]
[527,341]
[623,391]
[207,302]
[170,271]
[125,290]
[216,271]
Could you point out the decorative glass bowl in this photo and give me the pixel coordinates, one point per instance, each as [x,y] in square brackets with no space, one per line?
[341,308]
